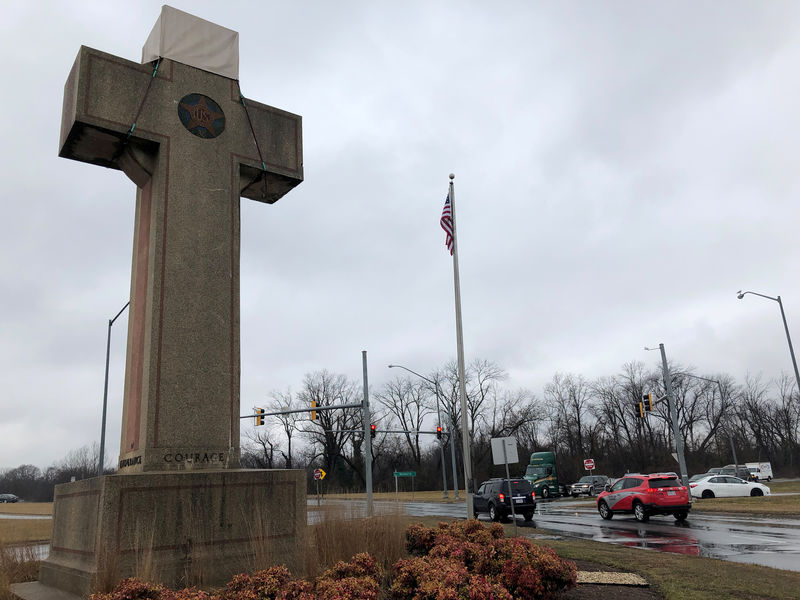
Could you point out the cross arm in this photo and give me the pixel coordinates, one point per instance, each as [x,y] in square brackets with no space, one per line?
[279,136]
[101,98]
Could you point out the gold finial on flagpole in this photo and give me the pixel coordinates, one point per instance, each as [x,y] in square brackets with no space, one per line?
[452,176]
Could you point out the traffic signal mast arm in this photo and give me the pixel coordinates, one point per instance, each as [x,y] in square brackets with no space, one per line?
[302,410]
[419,431]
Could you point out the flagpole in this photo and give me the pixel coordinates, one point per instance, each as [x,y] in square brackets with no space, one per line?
[462,385]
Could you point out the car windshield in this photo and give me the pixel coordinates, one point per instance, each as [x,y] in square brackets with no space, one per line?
[664,482]
[585,479]
[536,472]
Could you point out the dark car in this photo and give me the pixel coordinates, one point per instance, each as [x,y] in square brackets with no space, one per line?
[8,498]
[492,497]
[591,485]
[646,495]
[739,471]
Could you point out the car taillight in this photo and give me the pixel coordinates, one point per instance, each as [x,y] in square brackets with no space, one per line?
[533,495]
[502,497]
[650,490]
[690,485]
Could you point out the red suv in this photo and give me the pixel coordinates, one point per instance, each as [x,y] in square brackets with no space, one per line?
[645,495]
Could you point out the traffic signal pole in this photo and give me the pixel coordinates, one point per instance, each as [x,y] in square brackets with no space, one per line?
[673,411]
[367,435]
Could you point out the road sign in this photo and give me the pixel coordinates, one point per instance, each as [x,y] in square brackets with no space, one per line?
[405,473]
[504,450]
[588,464]
[319,474]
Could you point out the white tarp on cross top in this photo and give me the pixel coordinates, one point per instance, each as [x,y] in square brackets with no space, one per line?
[193,41]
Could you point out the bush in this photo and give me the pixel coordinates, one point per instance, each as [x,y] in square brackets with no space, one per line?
[453,561]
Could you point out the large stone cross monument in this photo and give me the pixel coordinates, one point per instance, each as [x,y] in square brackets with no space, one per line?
[192,147]
[177,126]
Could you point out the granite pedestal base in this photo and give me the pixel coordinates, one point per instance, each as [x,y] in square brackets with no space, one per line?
[180,529]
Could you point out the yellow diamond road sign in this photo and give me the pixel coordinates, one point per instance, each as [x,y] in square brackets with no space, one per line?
[319,474]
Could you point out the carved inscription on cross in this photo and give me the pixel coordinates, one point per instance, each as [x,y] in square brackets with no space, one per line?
[192,156]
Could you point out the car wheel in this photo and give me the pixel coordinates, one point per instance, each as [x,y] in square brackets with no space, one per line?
[756,492]
[707,494]
[545,492]
[574,495]
[528,516]
[604,511]
[681,515]
[493,514]
[640,513]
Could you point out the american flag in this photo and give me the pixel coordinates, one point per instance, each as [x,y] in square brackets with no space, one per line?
[447,224]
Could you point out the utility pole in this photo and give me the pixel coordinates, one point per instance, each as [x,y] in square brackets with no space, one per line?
[367,435]
[673,411]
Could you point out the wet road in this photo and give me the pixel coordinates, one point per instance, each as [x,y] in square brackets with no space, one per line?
[765,541]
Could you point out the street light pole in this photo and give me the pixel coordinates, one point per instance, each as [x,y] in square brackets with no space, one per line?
[740,294]
[101,461]
[441,443]
[673,411]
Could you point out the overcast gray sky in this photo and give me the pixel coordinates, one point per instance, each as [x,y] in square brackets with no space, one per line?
[622,169]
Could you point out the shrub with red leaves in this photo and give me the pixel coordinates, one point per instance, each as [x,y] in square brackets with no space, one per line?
[357,579]
[461,560]
[500,567]
[429,579]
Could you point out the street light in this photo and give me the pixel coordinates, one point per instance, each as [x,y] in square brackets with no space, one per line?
[105,395]
[740,294]
[441,446]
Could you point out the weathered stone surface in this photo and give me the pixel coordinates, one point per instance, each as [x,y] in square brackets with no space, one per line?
[192,155]
[192,528]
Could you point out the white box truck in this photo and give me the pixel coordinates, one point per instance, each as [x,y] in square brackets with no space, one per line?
[760,471]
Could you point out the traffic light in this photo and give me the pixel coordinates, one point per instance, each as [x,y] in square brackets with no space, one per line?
[438,432]
[372,430]
[640,409]
[313,412]
[647,400]
[259,416]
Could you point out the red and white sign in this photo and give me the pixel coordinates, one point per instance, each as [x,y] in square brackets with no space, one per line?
[319,474]
[588,464]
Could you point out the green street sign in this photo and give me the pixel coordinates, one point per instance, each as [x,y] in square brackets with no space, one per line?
[405,473]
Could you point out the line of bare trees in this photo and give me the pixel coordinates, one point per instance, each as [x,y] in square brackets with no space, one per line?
[36,485]
[575,417]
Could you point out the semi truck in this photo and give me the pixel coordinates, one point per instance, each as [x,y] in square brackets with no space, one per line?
[542,474]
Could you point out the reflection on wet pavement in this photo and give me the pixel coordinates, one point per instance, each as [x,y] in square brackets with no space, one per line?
[765,541]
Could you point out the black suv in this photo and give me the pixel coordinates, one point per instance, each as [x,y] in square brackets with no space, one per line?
[492,497]
[591,485]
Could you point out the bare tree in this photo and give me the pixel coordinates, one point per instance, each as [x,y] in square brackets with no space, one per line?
[260,454]
[333,430]
[280,401]
[409,402]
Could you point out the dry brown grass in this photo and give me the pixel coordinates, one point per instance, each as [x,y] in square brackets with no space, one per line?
[27,508]
[338,536]
[20,531]
[16,566]
[426,496]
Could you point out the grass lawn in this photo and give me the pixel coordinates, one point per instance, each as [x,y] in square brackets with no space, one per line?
[680,577]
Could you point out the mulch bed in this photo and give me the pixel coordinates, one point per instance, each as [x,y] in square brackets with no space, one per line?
[587,591]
